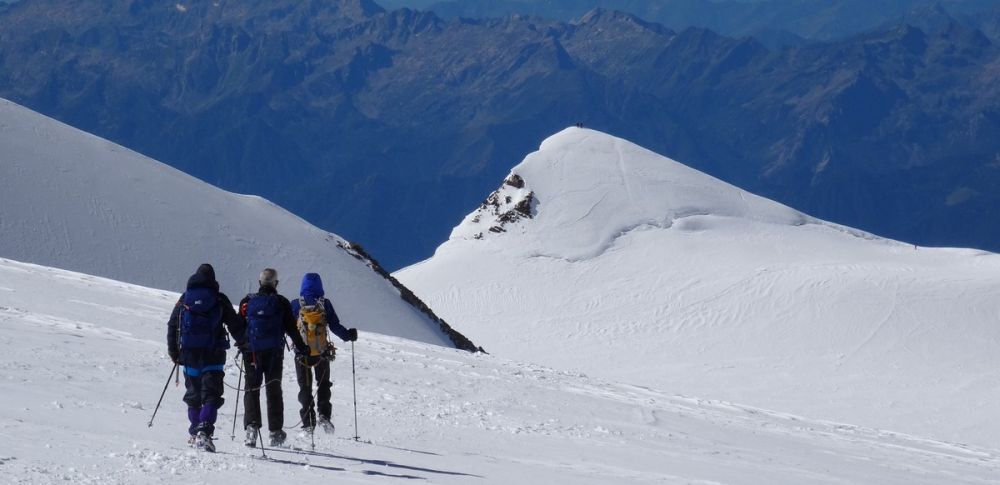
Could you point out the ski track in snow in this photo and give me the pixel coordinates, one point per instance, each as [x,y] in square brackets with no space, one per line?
[75,410]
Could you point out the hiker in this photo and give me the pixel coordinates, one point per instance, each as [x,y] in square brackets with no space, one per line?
[197,340]
[269,318]
[315,317]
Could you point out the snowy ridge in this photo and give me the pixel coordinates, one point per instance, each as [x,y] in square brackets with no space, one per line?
[636,268]
[85,363]
[583,189]
[75,201]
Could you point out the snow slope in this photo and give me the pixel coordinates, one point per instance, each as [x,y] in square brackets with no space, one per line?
[84,363]
[599,256]
[75,201]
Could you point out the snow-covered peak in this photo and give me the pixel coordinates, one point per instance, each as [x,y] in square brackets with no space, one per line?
[583,189]
[627,265]
[74,201]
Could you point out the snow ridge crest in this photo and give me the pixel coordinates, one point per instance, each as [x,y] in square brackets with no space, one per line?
[583,189]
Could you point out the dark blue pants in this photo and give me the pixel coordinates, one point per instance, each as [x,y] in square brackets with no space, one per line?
[203,382]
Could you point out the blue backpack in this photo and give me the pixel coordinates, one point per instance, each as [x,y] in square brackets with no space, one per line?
[201,318]
[265,329]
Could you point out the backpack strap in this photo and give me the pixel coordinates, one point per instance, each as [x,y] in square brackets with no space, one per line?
[298,318]
[246,303]
[320,304]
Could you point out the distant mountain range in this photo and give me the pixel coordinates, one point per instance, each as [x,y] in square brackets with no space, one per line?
[387,126]
[782,21]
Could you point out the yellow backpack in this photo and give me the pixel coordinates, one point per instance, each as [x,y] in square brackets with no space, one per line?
[313,328]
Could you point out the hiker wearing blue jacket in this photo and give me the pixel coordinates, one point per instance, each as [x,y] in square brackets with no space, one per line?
[197,340]
[315,316]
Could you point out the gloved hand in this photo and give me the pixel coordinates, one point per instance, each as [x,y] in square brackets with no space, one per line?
[175,358]
[352,335]
[302,351]
[243,347]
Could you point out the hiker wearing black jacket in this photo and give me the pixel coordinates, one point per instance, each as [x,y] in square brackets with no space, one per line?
[197,340]
[269,319]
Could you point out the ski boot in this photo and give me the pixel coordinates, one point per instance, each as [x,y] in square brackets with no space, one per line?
[326,425]
[278,437]
[251,439]
[204,442]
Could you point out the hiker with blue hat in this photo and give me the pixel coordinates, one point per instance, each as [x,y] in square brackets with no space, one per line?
[315,317]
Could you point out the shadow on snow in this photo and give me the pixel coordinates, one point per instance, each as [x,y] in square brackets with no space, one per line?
[331,468]
[384,463]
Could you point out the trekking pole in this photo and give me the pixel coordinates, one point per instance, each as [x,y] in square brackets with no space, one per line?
[260,441]
[354,381]
[312,407]
[329,375]
[177,379]
[174,369]
[239,386]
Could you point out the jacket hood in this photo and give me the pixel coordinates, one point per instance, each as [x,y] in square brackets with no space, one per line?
[312,286]
[207,270]
[204,277]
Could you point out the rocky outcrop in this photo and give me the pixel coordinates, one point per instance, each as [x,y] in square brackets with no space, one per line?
[505,206]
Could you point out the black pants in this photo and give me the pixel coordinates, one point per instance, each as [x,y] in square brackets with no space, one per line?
[320,376]
[264,368]
[203,387]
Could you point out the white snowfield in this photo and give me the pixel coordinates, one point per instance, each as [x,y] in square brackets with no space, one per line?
[84,364]
[72,200]
[636,268]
